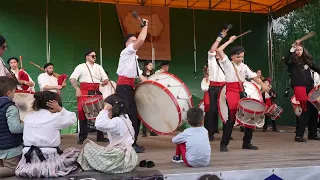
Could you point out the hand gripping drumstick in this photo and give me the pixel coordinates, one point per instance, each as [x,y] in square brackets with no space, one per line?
[135,15]
[244,34]
[228,27]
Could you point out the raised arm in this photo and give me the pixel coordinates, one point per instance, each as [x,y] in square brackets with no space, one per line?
[142,36]
[220,50]
[215,45]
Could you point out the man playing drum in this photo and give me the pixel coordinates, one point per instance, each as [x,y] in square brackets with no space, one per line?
[128,70]
[236,72]
[217,81]
[89,74]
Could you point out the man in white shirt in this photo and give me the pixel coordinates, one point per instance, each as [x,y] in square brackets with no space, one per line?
[234,90]
[164,67]
[217,81]
[91,76]
[3,69]
[128,70]
[23,77]
[47,81]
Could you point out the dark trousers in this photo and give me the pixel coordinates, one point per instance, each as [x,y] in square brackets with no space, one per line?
[83,134]
[211,118]
[127,93]
[308,118]
[228,127]
[273,122]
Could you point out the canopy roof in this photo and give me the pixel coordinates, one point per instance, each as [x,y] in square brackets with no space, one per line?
[253,6]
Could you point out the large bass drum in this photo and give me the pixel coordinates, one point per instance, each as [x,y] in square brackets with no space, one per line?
[162,102]
[24,101]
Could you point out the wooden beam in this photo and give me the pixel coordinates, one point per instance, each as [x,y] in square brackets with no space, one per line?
[194,4]
[221,1]
[241,6]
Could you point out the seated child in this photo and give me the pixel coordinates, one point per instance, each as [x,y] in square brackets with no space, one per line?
[119,156]
[41,138]
[11,128]
[193,147]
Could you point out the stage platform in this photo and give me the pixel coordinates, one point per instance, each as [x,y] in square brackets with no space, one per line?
[278,154]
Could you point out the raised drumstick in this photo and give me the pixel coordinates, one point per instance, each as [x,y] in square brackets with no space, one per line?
[135,15]
[244,34]
[307,36]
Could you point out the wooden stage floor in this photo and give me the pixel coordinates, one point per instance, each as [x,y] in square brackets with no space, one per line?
[276,150]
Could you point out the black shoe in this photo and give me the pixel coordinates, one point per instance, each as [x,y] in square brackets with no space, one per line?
[144,134]
[300,139]
[102,139]
[136,145]
[241,129]
[211,138]
[231,138]
[223,148]
[80,142]
[314,138]
[138,149]
[249,146]
[153,134]
[275,130]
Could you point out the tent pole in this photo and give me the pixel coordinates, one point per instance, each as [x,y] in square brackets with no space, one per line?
[100,34]
[194,44]
[270,56]
[47,33]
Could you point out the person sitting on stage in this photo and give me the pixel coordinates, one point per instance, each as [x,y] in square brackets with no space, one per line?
[128,70]
[119,156]
[236,72]
[164,67]
[42,156]
[147,72]
[300,63]
[47,81]
[90,76]
[21,75]
[11,128]
[193,146]
[268,98]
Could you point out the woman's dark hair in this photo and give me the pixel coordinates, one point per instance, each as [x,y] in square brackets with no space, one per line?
[118,105]
[2,40]
[305,58]
[41,99]
[209,177]
[145,70]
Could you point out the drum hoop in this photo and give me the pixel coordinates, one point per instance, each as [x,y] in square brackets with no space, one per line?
[248,110]
[202,101]
[166,90]
[219,110]
[93,102]
[271,108]
[260,94]
[311,92]
[245,124]
[277,116]
[24,91]
[296,104]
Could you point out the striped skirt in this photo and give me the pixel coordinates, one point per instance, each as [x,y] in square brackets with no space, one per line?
[107,160]
[55,165]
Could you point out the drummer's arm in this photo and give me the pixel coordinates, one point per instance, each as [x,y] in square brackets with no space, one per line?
[253,75]
[220,50]
[13,120]
[104,77]
[141,77]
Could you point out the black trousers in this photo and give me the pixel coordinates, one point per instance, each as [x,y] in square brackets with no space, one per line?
[308,118]
[211,118]
[127,93]
[83,134]
[228,127]
[267,120]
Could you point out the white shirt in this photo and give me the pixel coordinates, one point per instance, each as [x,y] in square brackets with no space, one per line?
[82,73]
[159,71]
[16,73]
[243,70]
[42,128]
[197,145]
[316,78]
[45,79]
[215,72]
[3,69]
[205,84]
[128,63]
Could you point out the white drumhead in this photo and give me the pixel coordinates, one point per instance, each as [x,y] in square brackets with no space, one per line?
[201,106]
[24,101]
[314,94]
[252,91]
[252,105]
[108,89]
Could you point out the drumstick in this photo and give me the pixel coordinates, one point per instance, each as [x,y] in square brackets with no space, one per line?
[135,15]
[56,74]
[244,34]
[307,36]
[21,62]
[228,27]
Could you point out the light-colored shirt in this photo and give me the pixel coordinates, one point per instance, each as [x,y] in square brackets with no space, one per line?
[16,73]
[42,128]
[82,73]
[243,70]
[159,71]
[15,127]
[128,63]
[205,84]
[198,149]
[3,69]
[316,78]
[45,79]
[215,72]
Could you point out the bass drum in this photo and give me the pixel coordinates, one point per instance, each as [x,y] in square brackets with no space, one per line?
[24,101]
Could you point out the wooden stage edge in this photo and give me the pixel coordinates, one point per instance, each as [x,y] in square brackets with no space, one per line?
[276,150]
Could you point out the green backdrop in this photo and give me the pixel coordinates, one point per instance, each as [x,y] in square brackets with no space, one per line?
[74,28]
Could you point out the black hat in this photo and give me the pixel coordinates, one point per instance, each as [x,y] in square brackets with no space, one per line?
[88,52]
[236,50]
[12,59]
[126,39]
[46,65]
[164,63]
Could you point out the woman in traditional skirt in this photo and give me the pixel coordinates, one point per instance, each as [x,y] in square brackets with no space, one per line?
[119,156]
[42,156]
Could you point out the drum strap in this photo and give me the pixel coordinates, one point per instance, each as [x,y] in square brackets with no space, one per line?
[220,67]
[128,128]
[237,74]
